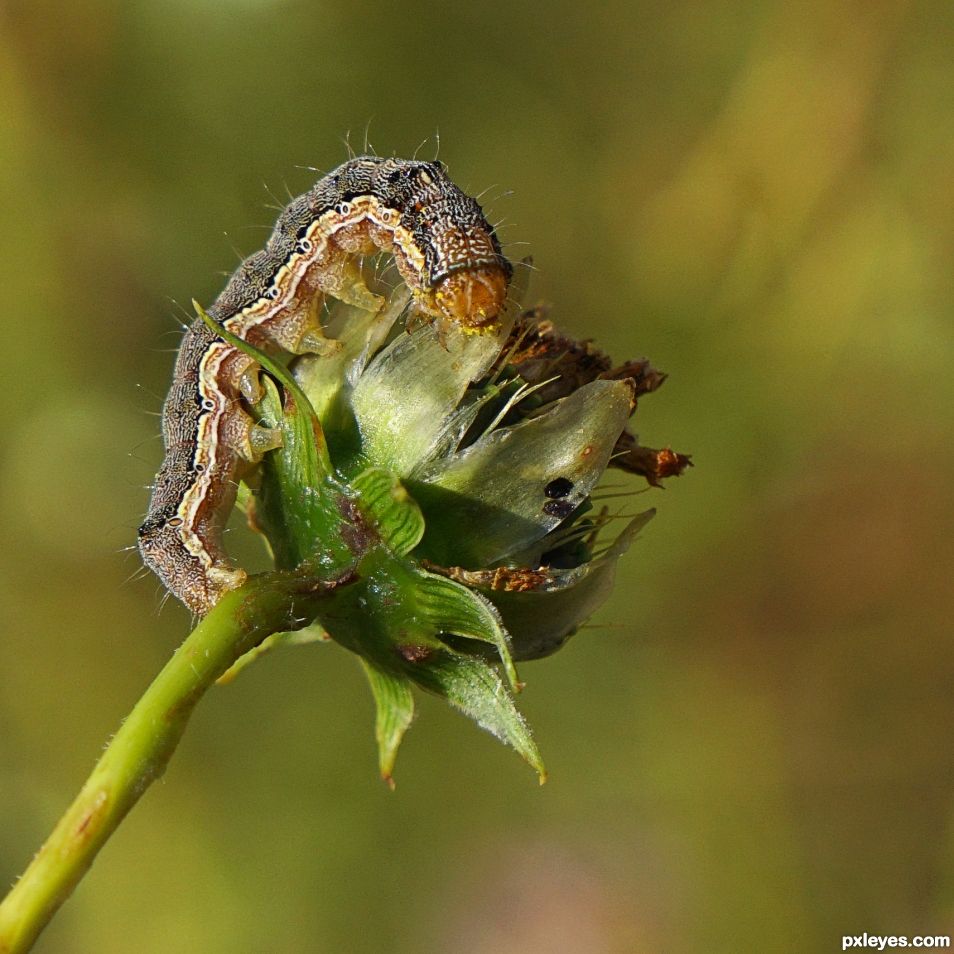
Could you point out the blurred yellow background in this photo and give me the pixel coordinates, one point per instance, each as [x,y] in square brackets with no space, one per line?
[750,748]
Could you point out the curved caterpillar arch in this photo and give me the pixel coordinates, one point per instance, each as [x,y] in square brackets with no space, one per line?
[445,251]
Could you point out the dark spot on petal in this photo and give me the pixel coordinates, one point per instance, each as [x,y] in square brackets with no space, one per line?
[560,487]
[559,508]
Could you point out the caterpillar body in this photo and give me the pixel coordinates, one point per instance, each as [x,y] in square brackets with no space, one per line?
[445,251]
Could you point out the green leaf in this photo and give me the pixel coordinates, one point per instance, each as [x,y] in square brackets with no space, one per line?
[394,703]
[473,686]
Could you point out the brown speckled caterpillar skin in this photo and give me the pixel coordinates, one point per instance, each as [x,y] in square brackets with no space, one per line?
[446,252]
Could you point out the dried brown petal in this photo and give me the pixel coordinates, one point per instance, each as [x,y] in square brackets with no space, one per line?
[519,579]
[537,351]
[654,465]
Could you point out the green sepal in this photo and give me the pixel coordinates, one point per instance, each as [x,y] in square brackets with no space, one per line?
[397,518]
[297,506]
[314,633]
[398,611]
[394,705]
[474,687]
[399,618]
[456,609]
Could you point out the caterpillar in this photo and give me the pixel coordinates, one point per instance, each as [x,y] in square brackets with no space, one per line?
[445,251]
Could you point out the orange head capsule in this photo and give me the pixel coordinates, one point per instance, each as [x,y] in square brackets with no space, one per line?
[472,297]
[445,248]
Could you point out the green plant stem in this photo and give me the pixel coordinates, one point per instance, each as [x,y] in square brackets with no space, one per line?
[140,750]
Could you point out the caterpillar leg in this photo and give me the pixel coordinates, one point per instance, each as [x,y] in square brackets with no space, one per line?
[248,440]
[181,538]
[344,281]
[238,433]
[298,328]
[188,569]
[217,581]
[244,376]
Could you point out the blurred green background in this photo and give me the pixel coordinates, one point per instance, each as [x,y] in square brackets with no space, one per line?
[750,748]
